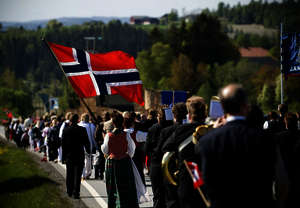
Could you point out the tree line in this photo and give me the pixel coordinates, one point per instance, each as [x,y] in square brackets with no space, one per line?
[269,14]
[197,56]
[27,68]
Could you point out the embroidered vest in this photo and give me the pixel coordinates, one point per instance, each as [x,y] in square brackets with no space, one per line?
[117,146]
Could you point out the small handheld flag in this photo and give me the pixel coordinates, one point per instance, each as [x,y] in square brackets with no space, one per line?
[197,175]
[198,181]
[104,73]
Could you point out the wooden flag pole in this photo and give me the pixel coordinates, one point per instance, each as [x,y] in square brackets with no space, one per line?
[207,203]
[60,66]
[53,55]
[173,97]
[88,108]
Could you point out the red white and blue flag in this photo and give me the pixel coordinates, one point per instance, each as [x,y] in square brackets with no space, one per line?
[104,73]
[196,174]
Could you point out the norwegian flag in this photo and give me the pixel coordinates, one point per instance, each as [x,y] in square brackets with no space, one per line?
[104,73]
[196,174]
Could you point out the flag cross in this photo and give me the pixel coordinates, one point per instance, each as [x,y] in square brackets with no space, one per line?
[101,80]
[92,74]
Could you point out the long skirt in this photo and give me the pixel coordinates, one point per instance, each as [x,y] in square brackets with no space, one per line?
[120,184]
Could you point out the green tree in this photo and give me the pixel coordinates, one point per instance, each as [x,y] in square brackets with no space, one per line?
[69,99]
[173,16]
[183,74]
[17,101]
[9,80]
[156,35]
[266,98]
[207,43]
[206,91]
[154,65]
[54,25]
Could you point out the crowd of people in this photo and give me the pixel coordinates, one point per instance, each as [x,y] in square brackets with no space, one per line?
[246,160]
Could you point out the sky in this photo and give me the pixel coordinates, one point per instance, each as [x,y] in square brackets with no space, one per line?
[27,10]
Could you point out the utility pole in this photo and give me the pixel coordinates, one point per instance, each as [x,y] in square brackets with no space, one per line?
[281,67]
[93,39]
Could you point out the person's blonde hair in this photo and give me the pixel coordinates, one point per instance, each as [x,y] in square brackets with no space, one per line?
[68,115]
[85,117]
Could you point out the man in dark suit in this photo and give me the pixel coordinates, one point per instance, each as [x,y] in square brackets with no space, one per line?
[75,142]
[179,112]
[238,162]
[155,165]
[184,148]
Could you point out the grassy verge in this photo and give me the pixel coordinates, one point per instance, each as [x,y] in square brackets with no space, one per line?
[24,184]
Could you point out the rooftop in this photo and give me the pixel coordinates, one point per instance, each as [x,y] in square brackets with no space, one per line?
[255,52]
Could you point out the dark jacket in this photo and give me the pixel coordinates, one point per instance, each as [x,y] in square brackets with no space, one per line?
[238,165]
[153,138]
[75,142]
[188,196]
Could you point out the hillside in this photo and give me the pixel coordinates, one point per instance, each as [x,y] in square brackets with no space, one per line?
[66,21]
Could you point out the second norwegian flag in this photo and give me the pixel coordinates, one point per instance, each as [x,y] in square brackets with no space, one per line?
[104,73]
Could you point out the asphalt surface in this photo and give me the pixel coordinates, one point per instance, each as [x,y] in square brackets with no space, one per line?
[93,192]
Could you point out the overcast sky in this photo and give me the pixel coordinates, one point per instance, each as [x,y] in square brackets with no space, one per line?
[26,10]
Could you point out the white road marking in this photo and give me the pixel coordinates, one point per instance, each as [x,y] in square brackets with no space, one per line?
[92,191]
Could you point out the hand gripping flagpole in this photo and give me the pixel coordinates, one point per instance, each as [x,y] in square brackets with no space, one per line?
[82,100]
[207,203]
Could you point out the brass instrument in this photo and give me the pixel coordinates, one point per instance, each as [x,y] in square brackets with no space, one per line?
[169,161]
[200,131]
[171,176]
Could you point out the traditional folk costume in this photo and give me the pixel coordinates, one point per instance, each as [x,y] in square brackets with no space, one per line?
[119,175]
[139,138]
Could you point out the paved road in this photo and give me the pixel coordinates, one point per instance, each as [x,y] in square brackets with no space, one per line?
[93,192]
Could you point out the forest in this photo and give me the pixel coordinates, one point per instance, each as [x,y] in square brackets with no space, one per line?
[196,56]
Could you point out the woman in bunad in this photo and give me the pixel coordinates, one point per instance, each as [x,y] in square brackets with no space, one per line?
[139,138]
[118,147]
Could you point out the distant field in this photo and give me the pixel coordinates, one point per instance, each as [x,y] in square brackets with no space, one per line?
[148,28]
[254,29]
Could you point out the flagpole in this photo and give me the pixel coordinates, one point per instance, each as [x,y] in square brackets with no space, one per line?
[60,66]
[88,108]
[173,97]
[207,203]
[281,67]
[53,55]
